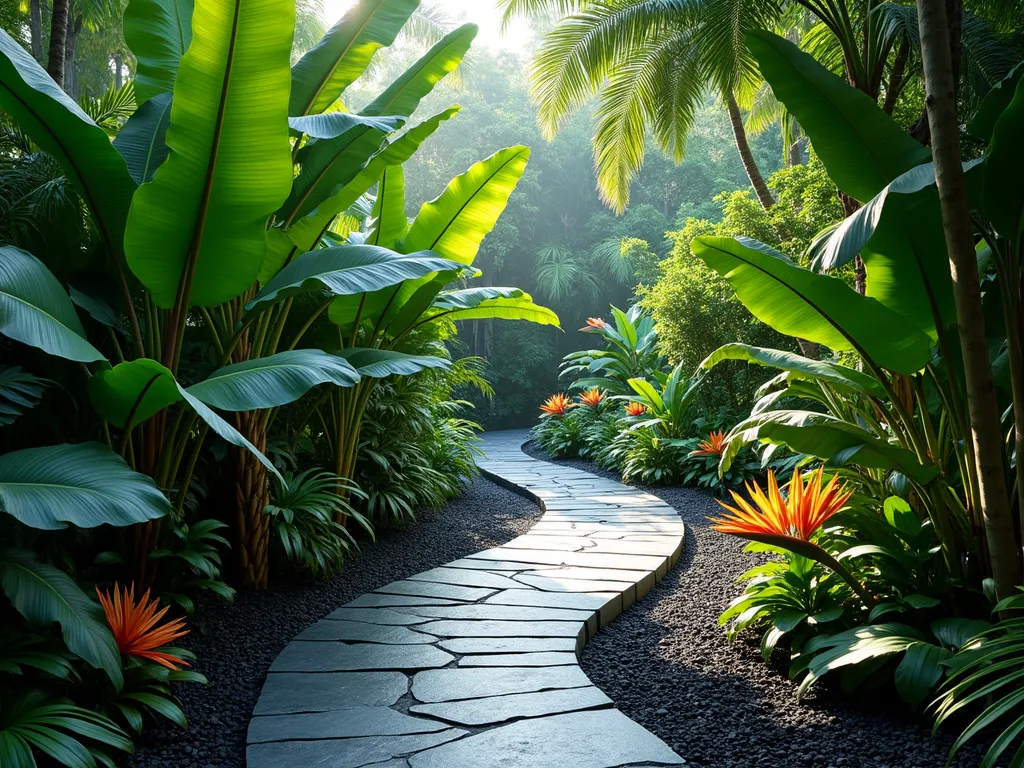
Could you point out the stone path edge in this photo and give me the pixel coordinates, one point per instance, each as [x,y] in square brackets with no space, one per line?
[475,664]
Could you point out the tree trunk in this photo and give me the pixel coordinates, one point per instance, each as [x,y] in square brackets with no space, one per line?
[896,79]
[118,74]
[70,57]
[746,156]
[58,40]
[986,434]
[251,497]
[35,27]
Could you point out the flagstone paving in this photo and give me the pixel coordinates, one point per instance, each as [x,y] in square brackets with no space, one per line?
[475,664]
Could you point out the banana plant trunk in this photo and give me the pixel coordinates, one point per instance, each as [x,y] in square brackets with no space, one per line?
[986,434]
[764,196]
[252,494]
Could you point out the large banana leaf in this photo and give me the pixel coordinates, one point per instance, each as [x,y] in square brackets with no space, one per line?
[517,308]
[378,363]
[1003,195]
[45,596]
[201,222]
[20,392]
[142,139]
[389,220]
[345,270]
[403,96]
[303,235]
[86,485]
[60,127]
[829,438]
[35,309]
[468,298]
[848,379]
[994,104]
[158,33]
[862,147]
[334,124]
[820,308]
[133,391]
[325,71]
[269,382]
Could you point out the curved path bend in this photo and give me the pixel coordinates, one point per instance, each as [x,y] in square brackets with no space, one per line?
[475,664]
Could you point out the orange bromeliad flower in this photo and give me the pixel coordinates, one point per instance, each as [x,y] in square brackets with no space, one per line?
[713,446]
[594,322]
[556,405]
[592,397]
[807,507]
[634,408]
[136,626]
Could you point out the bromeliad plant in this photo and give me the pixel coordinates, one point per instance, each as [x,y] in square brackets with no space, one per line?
[630,353]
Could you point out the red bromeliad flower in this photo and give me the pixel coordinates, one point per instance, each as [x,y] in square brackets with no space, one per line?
[594,323]
[713,446]
[136,626]
[634,408]
[556,405]
[592,397]
[769,515]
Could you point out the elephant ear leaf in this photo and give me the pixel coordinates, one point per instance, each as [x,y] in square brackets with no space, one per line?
[344,53]
[36,310]
[45,595]
[820,308]
[197,231]
[158,33]
[862,147]
[85,485]
[59,126]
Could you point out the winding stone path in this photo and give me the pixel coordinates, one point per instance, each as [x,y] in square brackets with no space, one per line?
[474,664]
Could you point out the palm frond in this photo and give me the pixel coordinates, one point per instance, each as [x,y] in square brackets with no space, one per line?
[110,110]
[310,26]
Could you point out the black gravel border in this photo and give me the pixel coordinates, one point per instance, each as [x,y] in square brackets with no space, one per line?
[236,642]
[667,665]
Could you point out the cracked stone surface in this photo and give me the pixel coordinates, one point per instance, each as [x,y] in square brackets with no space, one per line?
[489,642]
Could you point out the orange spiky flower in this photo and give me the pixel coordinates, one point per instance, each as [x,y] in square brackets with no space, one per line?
[592,397]
[769,514]
[713,446]
[634,408]
[556,405]
[594,323]
[136,626]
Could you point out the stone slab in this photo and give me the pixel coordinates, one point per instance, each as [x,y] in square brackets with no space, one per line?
[453,684]
[384,616]
[508,644]
[354,631]
[347,753]
[499,709]
[536,598]
[430,589]
[462,577]
[299,656]
[378,600]
[485,628]
[289,693]
[542,659]
[511,612]
[338,724]
[556,584]
[585,559]
[601,739]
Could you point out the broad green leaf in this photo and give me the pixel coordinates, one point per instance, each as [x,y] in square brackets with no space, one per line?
[919,671]
[334,124]
[518,308]
[35,309]
[269,382]
[158,32]
[390,223]
[202,221]
[60,127]
[142,139]
[819,308]
[347,270]
[862,147]
[378,363]
[798,366]
[648,394]
[994,104]
[828,438]
[85,484]
[1003,195]
[344,53]
[136,389]
[899,234]
[20,391]
[403,96]
[467,298]
[45,595]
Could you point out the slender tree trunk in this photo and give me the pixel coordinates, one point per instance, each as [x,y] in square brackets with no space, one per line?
[58,40]
[986,434]
[35,27]
[251,497]
[896,79]
[746,156]
[70,57]
[118,74]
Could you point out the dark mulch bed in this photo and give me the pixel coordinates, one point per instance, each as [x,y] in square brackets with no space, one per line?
[667,665]
[236,642]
